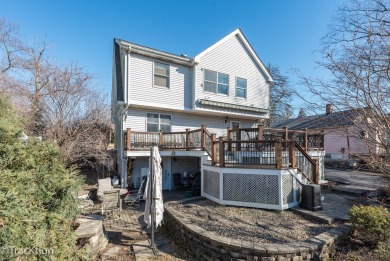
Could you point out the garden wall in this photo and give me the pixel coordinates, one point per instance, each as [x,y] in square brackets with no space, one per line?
[208,246]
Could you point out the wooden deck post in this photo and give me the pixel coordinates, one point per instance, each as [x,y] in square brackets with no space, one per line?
[221,153]
[260,136]
[285,133]
[229,137]
[316,171]
[291,154]
[278,154]
[160,139]
[305,143]
[128,139]
[238,138]
[187,139]
[213,149]
[203,137]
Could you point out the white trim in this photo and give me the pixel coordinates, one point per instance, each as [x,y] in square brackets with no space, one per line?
[166,153]
[198,111]
[246,88]
[169,75]
[159,120]
[153,53]
[237,32]
[216,83]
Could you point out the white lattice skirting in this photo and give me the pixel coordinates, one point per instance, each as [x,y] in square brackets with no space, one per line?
[258,188]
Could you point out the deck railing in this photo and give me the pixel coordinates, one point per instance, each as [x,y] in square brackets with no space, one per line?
[309,140]
[262,147]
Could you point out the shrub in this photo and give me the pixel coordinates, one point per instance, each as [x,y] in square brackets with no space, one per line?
[37,209]
[371,224]
[383,251]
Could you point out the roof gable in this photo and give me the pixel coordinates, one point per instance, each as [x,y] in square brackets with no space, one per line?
[246,44]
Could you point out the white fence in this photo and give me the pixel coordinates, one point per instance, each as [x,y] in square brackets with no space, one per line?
[258,188]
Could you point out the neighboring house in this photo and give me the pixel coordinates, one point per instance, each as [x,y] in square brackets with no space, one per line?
[345,133]
[179,103]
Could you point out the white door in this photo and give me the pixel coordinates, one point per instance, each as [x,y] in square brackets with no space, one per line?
[166,173]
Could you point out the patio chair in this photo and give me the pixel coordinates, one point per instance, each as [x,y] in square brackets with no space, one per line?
[104,185]
[134,197]
[111,201]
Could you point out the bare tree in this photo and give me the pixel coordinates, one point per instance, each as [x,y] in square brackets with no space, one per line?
[301,113]
[281,96]
[356,52]
[58,102]
[11,47]
[76,117]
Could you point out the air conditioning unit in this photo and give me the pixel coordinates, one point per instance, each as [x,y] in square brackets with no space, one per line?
[311,197]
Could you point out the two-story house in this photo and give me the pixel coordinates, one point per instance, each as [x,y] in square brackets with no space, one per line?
[225,85]
[183,104]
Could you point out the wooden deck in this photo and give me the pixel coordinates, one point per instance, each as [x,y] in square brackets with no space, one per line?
[262,147]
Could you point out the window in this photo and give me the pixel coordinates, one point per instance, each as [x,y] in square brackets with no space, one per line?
[161,74]
[156,122]
[216,82]
[240,87]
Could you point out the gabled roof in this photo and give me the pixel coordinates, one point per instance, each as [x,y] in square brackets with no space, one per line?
[247,45]
[322,121]
[154,53]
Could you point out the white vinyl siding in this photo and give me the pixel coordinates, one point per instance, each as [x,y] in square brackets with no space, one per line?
[241,87]
[232,58]
[136,120]
[142,91]
[216,82]
[161,74]
[156,122]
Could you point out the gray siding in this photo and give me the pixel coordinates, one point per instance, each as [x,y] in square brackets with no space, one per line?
[142,91]
[233,58]
[139,163]
[136,120]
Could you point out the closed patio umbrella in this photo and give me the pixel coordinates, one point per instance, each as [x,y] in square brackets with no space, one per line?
[154,206]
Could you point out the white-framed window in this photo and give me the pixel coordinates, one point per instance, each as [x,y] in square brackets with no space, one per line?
[160,74]
[156,122]
[241,88]
[216,82]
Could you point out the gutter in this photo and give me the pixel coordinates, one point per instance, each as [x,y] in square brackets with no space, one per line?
[153,53]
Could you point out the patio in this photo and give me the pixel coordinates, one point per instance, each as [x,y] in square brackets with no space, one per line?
[127,235]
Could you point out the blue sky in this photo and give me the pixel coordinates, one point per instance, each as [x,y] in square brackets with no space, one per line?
[283,33]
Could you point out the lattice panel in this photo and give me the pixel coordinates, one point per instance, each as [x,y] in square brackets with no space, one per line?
[251,188]
[251,160]
[211,183]
[288,189]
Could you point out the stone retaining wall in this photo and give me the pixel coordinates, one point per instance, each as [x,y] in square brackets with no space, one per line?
[208,246]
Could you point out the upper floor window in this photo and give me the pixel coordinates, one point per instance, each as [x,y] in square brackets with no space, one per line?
[156,122]
[161,74]
[216,82]
[240,87]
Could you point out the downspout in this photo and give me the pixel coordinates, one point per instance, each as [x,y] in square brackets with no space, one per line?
[123,116]
[193,86]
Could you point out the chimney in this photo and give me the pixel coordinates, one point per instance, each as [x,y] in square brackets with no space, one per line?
[328,109]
